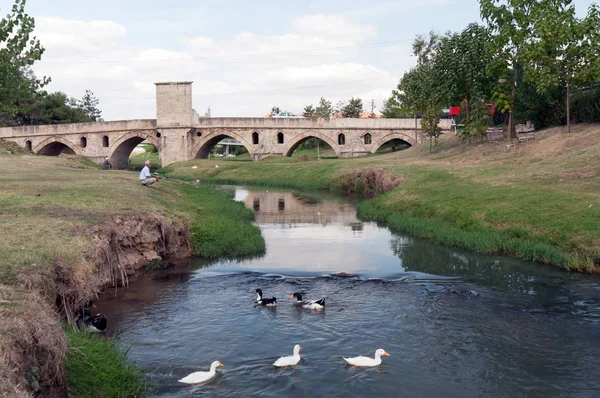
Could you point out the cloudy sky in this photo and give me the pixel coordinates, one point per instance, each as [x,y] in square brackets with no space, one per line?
[243,56]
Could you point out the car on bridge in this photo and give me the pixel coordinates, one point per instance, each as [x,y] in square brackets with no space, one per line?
[286,114]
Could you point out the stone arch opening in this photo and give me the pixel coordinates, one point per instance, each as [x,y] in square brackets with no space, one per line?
[367,138]
[391,143]
[280,138]
[255,138]
[105,141]
[83,142]
[314,146]
[28,145]
[205,147]
[341,139]
[121,152]
[56,148]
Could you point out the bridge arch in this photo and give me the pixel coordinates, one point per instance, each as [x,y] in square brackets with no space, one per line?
[54,146]
[202,148]
[121,149]
[298,139]
[389,137]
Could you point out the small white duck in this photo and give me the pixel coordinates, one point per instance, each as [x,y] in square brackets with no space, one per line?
[366,361]
[312,304]
[201,377]
[291,360]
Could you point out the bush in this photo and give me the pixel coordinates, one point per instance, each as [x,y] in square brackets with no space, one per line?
[367,183]
[585,106]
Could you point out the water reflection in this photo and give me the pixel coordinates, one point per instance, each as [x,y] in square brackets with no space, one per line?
[530,333]
[287,208]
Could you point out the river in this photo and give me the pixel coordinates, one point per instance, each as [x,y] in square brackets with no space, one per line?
[456,324]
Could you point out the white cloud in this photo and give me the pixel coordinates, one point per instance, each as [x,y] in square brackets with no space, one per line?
[334,26]
[243,75]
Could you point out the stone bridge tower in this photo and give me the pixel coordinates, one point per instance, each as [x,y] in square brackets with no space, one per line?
[174,116]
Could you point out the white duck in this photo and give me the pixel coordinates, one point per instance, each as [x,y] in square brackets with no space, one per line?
[289,361]
[312,304]
[201,377]
[366,361]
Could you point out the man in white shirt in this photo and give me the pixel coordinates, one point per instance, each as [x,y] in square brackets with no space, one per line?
[145,175]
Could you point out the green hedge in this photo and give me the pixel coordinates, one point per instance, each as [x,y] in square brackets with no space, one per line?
[585,106]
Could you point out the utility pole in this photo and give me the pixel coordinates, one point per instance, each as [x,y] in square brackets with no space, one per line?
[372,106]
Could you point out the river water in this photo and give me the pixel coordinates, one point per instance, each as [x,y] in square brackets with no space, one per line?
[456,324]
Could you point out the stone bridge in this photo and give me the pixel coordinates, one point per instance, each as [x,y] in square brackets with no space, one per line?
[180,134]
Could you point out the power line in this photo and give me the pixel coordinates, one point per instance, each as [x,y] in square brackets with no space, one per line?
[277,90]
[232,56]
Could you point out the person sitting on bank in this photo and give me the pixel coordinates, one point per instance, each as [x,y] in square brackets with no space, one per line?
[146,178]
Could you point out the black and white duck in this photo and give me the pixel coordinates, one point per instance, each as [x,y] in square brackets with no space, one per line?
[85,320]
[267,302]
[312,304]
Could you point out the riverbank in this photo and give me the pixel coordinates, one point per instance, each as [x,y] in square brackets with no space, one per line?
[67,230]
[538,200]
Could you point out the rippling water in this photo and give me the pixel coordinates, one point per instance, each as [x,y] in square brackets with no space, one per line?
[455,324]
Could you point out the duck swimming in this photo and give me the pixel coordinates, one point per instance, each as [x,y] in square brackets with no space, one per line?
[267,302]
[366,361]
[85,320]
[201,377]
[312,304]
[290,360]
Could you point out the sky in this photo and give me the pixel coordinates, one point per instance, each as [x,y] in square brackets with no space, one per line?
[243,57]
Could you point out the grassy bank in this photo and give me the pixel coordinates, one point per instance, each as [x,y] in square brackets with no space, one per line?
[97,367]
[54,212]
[538,200]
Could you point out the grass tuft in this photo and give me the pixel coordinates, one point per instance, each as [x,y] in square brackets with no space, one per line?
[97,367]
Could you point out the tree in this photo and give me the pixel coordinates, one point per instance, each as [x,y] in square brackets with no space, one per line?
[337,109]
[461,62]
[275,111]
[50,108]
[18,52]
[353,108]
[324,109]
[477,123]
[391,108]
[309,111]
[89,105]
[510,26]
[566,49]
[430,124]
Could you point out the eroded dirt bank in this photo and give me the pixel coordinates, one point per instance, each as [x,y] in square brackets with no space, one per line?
[33,345]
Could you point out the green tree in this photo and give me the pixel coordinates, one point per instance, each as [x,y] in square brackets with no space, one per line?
[275,111]
[53,108]
[566,49]
[430,124]
[353,108]
[461,62]
[324,109]
[89,105]
[510,24]
[18,52]
[391,108]
[477,123]
[309,111]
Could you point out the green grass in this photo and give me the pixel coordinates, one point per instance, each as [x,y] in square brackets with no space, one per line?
[540,200]
[97,367]
[136,162]
[221,227]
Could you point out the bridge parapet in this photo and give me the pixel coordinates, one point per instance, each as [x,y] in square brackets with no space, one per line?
[77,128]
[320,123]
